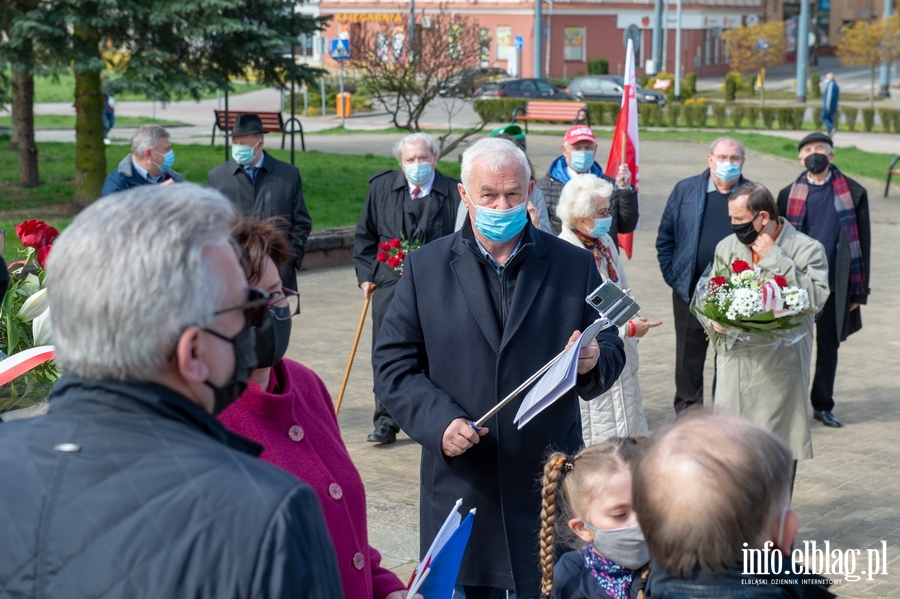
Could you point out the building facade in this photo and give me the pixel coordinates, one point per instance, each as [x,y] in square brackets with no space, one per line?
[574,31]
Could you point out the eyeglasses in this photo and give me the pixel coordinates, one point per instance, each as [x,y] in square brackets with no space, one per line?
[285,304]
[600,213]
[258,301]
[731,159]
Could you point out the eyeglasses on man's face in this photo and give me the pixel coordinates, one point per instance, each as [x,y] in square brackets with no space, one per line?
[258,301]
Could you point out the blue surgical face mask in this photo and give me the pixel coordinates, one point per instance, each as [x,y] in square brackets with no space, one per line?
[418,173]
[601,226]
[242,154]
[500,225]
[168,160]
[727,171]
[581,160]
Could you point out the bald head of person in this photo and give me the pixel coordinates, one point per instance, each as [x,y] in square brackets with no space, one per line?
[708,487]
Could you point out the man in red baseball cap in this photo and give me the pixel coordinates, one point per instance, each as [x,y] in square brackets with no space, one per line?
[579,146]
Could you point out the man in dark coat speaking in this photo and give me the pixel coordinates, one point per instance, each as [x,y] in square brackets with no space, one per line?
[417,204]
[474,315]
[261,186]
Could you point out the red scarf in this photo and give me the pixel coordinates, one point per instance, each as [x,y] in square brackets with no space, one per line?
[602,254]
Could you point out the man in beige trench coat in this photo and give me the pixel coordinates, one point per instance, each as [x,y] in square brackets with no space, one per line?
[769,385]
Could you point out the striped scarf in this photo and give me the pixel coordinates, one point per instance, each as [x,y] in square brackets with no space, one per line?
[602,253]
[843,204]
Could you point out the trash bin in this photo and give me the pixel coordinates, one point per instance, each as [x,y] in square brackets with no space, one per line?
[513,132]
[343,102]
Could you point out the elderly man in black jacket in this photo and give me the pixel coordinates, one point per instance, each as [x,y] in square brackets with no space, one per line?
[833,209]
[416,204]
[130,487]
[475,314]
[261,186]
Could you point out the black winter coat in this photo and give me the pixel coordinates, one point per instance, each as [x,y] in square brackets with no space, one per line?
[130,490]
[390,213]
[848,321]
[456,340]
[278,192]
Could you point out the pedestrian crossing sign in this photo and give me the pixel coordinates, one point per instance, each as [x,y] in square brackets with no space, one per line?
[340,49]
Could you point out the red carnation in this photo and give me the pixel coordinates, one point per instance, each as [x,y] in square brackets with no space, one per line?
[384,246]
[393,261]
[717,281]
[780,281]
[382,257]
[42,255]
[740,266]
[395,243]
[401,254]
[36,233]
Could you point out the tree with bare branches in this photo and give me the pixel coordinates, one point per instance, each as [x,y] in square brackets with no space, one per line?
[865,44]
[405,82]
[755,47]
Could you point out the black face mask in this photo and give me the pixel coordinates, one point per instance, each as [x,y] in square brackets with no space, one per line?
[745,232]
[816,163]
[244,362]
[273,337]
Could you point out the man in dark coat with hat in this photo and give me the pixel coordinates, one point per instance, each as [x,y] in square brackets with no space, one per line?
[417,204]
[263,187]
[833,209]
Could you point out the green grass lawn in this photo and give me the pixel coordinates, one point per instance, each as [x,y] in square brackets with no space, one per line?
[67,121]
[334,185]
[46,89]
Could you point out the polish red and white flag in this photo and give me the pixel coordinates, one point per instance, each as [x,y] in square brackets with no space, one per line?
[625,139]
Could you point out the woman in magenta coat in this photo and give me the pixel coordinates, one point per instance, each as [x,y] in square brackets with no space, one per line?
[287,409]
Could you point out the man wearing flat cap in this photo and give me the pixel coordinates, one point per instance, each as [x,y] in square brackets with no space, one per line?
[833,209]
[263,187]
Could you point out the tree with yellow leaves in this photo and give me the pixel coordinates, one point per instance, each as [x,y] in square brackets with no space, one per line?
[755,47]
[865,44]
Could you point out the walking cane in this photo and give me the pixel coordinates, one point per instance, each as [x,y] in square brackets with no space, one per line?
[359,328]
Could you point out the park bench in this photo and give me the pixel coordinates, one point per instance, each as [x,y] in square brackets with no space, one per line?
[272,122]
[576,112]
[891,171]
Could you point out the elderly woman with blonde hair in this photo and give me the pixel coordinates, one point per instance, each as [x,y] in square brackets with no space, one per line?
[584,212]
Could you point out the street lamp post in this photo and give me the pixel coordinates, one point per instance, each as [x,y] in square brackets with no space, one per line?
[678,51]
[412,29]
[885,72]
[802,50]
[538,39]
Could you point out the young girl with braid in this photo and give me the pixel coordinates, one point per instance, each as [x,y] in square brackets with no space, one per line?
[592,493]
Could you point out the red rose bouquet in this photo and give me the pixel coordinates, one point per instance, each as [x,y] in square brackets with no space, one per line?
[25,316]
[394,252]
[735,302]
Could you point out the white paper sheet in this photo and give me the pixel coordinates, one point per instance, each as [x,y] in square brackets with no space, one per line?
[559,379]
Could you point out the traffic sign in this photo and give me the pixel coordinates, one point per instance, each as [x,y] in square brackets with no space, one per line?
[340,49]
[518,42]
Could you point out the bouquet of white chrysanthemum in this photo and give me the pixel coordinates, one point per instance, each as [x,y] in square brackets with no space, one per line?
[737,303]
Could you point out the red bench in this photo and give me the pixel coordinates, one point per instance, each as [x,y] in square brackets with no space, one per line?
[272,122]
[576,112]
[891,171]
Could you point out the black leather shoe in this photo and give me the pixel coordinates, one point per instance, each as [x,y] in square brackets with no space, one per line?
[827,418]
[383,435]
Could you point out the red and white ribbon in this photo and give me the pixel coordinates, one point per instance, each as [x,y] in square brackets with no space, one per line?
[20,363]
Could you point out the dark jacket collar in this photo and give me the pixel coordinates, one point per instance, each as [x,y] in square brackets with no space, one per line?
[74,392]
[797,585]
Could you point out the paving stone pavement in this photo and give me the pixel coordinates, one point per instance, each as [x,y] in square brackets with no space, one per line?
[847,495]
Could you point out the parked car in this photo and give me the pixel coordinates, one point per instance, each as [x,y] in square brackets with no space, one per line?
[521,88]
[608,88]
[467,81]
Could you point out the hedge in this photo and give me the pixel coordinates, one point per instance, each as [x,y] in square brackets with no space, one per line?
[695,114]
